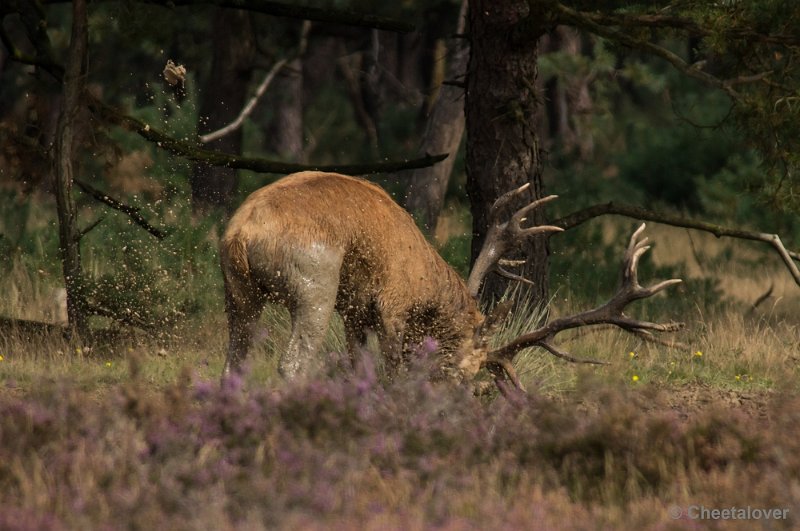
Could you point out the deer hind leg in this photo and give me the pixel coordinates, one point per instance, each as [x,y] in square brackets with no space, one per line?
[314,281]
[243,304]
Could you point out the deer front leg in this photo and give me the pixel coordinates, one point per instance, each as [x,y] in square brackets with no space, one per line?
[392,348]
[315,281]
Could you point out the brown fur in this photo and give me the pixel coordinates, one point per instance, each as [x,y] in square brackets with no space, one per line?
[317,241]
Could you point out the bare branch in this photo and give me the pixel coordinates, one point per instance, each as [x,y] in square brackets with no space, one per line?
[131,212]
[31,16]
[291,10]
[690,26]
[591,23]
[86,230]
[247,110]
[576,218]
[764,296]
[219,158]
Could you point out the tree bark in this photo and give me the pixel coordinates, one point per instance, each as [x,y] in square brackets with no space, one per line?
[502,145]
[68,232]
[568,101]
[285,130]
[427,186]
[222,99]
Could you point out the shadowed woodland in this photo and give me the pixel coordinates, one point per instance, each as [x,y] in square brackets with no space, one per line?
[131,131]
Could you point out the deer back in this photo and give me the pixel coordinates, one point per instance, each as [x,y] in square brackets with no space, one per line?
[385,258]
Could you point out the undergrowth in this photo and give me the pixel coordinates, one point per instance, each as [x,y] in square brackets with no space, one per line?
[347,451]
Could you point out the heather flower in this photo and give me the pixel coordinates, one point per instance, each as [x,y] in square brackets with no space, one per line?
[204,389]
[428,346]
[232,383]
[346,451]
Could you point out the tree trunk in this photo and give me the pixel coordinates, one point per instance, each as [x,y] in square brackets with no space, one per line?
[445,128]
[285,98]
[502,145]
[568,101]
[68,232]
[221,102]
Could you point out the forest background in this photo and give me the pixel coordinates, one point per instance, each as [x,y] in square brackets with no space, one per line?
[350,83]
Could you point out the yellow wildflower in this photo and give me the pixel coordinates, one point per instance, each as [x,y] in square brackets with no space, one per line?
[698,354]
[635,378]
[108,364]
[632,354]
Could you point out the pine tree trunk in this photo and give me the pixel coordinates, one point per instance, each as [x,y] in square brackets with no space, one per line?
[445,128]
[285,99]
[502,145]
[221,101]
[68,232]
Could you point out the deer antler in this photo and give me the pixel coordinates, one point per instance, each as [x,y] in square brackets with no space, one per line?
[503,236]
[609,313]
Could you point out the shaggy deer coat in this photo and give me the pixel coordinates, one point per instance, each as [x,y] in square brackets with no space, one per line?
[316,242]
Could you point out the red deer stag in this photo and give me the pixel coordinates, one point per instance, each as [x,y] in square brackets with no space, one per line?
[318,242]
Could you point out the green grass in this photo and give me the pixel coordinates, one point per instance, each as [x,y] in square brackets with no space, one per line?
[136,430]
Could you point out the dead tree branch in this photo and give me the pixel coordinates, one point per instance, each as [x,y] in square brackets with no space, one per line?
[219,158]
[590,23]
[247,110]
[577,218]
[116,204]
[291,10]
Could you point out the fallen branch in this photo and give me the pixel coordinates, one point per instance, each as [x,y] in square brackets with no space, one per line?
[219,158]
[764,296]
[9,325]
[639,213]
[131,212]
